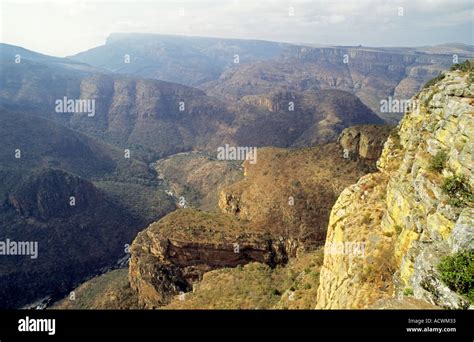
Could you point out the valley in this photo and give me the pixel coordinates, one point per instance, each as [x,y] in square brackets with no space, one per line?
[199,182]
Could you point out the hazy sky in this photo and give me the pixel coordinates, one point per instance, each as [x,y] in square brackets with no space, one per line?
[66,27]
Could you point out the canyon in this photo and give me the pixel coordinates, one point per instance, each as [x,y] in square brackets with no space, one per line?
[140,185]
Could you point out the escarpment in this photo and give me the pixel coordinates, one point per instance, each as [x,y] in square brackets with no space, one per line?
[412,214]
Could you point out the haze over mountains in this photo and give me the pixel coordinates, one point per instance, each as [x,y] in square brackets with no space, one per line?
[232,68]
[129,111]
[158,96]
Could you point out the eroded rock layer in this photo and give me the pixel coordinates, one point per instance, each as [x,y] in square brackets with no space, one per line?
[415,210]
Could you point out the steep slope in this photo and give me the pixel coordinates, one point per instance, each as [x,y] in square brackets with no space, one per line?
[53,194]
[373,74]
[294,119]
[109,291]
[278,233]
[173,253]
[251,286]
[71,241]
[284,221]
[415,214]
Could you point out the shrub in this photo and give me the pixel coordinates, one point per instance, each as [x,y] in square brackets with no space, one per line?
[458,190]
[426,103]
[464,66]
[438,161]
[408,291]
[366,219]
[276,292]
[398,229]
[470,78]
[457,272]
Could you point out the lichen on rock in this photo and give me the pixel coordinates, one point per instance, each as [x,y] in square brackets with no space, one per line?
[419,220]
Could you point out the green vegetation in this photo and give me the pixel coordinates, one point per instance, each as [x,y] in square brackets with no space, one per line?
[465,66]
[428,99]
[367,219]
[458,190]
[408,291]
[433,81]
[438,161]
[457,272]
[398,229]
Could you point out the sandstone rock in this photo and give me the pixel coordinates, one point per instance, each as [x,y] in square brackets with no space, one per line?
[172,254]
[462,236]
[364,141]
[416,212]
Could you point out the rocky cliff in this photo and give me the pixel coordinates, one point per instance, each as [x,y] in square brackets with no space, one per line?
[388,232]
[174,253]
[365,141]
[370,73]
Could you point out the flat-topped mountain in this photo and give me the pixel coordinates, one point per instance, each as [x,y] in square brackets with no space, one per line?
[180,59]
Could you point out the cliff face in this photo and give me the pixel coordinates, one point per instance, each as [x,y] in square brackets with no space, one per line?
[293,202]
[402,217]
[364,141]
[174,253]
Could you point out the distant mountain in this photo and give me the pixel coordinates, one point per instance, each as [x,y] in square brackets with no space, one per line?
[373,74]
[155,118]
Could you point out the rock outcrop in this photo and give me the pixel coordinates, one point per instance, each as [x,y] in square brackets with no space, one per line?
[364,141]
[405,218]
[172,254]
